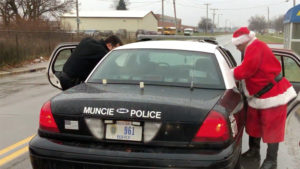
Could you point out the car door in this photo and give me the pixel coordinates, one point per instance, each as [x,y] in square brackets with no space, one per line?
[57,60]
[290,63]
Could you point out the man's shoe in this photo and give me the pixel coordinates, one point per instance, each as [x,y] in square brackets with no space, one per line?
[254,149]
[271,160]
[269,164]
[251,154]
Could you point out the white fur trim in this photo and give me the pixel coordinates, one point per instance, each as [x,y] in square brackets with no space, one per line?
[252,34]
[274,101]
[250,42]
[244,38]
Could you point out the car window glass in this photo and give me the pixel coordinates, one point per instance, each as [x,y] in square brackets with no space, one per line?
[280,61]
[228,57]
[61,59]
[291,70]
[121,60]
[169,67]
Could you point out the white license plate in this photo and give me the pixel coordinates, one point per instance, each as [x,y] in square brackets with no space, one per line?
[123,130]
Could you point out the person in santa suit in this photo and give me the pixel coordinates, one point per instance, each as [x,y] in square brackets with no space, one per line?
[267,94]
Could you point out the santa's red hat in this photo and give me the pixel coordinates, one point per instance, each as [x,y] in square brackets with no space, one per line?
[242,35]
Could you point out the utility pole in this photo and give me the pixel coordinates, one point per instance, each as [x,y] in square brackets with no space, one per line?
[214,14]
[226,24]
[77,16]
[268,17]
[294,2]
[206,29]
[219,19]
[175,15]
[162,17]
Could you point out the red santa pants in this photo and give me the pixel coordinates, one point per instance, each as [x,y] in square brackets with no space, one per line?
[267,123]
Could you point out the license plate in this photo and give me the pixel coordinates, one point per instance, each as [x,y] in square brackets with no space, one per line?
[123,130]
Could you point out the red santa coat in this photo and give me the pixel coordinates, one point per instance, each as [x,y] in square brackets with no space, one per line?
[259,68]
[266,115]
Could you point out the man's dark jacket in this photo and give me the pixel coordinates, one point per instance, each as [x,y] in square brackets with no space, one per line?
[85,57]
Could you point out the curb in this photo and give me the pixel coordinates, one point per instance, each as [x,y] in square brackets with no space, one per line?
[2,74]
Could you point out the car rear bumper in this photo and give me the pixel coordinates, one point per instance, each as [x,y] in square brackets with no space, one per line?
[46,154]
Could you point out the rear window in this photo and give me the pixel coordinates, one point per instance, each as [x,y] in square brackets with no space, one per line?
[160,67]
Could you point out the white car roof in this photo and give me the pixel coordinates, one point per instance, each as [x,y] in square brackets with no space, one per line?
[168,44]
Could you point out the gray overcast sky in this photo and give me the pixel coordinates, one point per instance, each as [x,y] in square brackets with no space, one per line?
[236,12]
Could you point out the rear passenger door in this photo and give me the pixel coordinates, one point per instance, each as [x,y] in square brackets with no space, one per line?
[290,63]
[58,58]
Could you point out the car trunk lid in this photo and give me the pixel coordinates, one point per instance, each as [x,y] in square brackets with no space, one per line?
[163,115]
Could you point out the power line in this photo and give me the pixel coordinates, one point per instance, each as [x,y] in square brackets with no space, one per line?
[148,4]
[253,7]
[144,2]
[189,6]
[195,2]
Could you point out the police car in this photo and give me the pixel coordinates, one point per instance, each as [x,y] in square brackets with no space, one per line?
[152,104]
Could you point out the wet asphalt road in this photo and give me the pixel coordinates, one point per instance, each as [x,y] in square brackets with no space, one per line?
[21,97]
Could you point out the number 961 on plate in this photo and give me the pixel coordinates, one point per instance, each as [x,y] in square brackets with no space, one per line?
[123,130]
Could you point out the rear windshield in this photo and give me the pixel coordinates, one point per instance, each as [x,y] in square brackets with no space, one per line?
[160,67]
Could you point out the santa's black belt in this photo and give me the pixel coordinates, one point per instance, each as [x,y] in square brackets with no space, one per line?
[268,87]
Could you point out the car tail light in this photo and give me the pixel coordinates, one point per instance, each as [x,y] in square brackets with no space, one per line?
[213,129]
[47,121]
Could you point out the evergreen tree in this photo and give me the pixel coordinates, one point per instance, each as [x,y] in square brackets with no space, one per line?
[121,5]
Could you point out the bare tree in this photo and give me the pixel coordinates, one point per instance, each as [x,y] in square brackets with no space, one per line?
[5,12]
[203,22]
[28,10]
[277,23]
[258,23]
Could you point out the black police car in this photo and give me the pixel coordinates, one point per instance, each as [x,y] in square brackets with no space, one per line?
[153,104]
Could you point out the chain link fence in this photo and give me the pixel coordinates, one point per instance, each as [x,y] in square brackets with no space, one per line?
[19,46]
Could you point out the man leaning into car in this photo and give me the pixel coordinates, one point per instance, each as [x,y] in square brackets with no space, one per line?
[85,57]
[267,94]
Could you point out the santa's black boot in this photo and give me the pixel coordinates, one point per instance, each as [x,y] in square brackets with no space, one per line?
[271,160]
[254,149]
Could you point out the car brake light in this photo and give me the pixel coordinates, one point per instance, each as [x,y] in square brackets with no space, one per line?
[47,121]
[213,129]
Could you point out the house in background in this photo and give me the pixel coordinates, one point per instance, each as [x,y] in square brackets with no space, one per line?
[131,21]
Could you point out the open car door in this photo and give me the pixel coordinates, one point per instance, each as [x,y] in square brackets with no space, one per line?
[290,63]
[57,60]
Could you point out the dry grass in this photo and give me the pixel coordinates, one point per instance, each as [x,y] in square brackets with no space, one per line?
[30,40]
[268,38]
